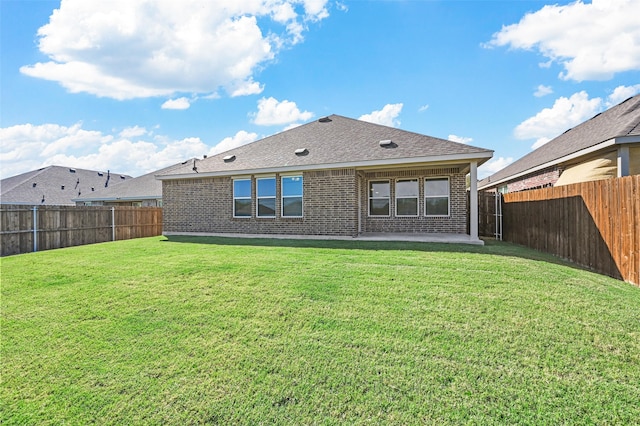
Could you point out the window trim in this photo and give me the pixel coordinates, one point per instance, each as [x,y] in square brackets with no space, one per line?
[250,198]
[417,196]
[274,197]
[369,197]
[282,196]
[448,179]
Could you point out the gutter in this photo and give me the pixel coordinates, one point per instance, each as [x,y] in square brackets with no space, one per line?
[482,157]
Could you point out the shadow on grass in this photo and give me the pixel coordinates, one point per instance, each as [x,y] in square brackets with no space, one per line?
[491,247]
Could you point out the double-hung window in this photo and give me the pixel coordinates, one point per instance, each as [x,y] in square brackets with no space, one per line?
[242,198]
[407,197]
[436,197]
[291,189]
[379,198]
[266,197]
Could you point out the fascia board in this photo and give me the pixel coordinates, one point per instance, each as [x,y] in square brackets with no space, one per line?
[569,157]
[480,157]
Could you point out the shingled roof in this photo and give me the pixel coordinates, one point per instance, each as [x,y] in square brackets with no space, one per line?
[145,187]
[55,185]
[331,142]
[620,121]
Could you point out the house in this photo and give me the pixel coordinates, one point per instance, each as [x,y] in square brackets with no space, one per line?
[142,191]
[332,177]
[606,146]
[55,185]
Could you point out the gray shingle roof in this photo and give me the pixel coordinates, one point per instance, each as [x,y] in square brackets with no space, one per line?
[140,188]
[333,140]
[55,185]
[620,120]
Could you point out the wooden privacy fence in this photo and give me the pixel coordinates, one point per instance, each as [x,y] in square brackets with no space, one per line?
[25,229]
[594,224]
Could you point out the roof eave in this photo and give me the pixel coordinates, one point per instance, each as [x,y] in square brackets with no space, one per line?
[479,157]
[595,148]
[145,197]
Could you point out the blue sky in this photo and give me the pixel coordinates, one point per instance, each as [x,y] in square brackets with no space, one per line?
[134,86]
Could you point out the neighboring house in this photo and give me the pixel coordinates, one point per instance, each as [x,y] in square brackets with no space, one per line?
[142,191]
[606,146]
[55,185]
[334,176]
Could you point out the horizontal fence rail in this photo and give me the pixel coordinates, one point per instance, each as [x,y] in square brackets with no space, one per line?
[594,224]
[25,229]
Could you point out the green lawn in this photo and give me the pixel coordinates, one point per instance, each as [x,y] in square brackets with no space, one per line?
[224,331]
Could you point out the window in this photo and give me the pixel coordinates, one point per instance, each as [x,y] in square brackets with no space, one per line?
[266,197]
[242,198]
[379,195]
[292,196]
[407,197]
[436,197]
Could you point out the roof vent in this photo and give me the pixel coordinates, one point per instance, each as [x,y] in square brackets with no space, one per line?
[387,143]
[302,151]
[34,184]
[122,177]
[62,187]
[100,174]
[229,158]
[325,120]
[72,170]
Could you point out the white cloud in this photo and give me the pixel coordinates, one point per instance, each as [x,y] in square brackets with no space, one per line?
[543,90]
[564,114]
[423,108]
[493,165]
[592,41]
[126,49]
[459,139]
[239,139]
[387,116]
[132,132]
[273,112]
[622,93]
[28,147]
[179,103]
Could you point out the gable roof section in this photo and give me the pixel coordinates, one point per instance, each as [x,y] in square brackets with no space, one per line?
[619,122]
[330,142]
[145,187]
[47,184]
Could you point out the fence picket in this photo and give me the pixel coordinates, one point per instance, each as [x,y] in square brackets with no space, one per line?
[66,226]
[594,224]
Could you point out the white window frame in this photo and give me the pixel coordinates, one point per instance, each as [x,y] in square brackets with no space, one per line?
[426,196]
[369,197]
[258,197]
[282,196]
[234,180]
[416,197]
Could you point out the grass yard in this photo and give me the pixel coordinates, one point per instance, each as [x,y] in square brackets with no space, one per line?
[224,331]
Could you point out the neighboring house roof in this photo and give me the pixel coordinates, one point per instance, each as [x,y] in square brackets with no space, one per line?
[331,142]
[145,187]
[55,185]
[619,124]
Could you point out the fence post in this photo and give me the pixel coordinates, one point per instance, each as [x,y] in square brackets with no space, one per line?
[113,223]
[35,228]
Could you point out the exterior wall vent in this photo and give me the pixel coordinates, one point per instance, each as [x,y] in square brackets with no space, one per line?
[229,158]
[387,143]
[302,151]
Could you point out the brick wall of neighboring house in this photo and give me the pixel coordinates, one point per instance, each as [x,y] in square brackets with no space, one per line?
[455,223]
[206,205]
[541,179]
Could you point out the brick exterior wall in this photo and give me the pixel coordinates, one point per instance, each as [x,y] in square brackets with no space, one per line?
[455,223]
[541,179]
[206,205]
[330,206]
